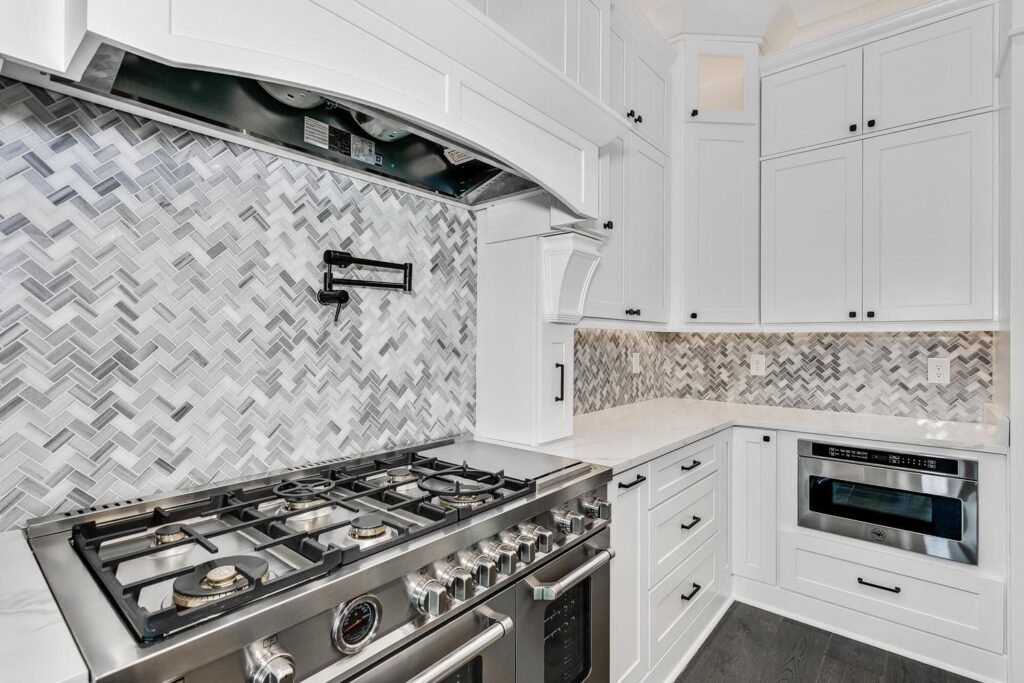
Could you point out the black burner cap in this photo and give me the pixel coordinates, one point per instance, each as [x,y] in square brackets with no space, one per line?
[368,522]
[218,578]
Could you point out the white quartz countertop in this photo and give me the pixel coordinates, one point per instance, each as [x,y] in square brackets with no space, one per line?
[35,644]
[631,435]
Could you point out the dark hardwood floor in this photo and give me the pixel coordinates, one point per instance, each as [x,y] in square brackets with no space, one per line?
[751,645]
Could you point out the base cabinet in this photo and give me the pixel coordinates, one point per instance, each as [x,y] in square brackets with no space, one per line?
[630,623]
[753,502]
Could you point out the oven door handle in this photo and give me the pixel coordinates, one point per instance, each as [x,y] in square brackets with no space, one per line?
[545,592]
[469,650]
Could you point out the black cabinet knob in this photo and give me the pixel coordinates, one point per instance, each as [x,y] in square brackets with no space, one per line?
[853,314]
[631,114]
[853,127]
[638,311]
[632,311]
[693,316]
[693,113]
[609,225]
[766,438]
[871,123]
[639,118]
[871,314]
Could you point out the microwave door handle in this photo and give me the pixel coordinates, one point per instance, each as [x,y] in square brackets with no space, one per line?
[469,650]
[552,591]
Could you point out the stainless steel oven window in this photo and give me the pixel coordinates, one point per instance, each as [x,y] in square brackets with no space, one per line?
[567,643]
[472,672]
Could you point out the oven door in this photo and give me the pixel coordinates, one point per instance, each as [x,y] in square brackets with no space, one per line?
[923,513]
[562,617]
[478,647]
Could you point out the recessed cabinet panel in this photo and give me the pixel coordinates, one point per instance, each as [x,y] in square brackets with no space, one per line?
[557,381]
[721,82]
[811,104]
[940,69]
[720,224]
[606,297]
[648,227]
[649,96]
[618,70]
[811,236]
[753,503]
[928,222]
[630,622]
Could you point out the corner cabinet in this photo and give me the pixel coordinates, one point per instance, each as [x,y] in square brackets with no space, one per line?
[631,281]
[753,504]
[720,224]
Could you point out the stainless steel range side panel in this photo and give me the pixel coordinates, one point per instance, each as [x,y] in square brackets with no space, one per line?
[113,655]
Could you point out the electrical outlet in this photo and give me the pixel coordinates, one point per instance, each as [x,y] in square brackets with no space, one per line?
[636,362]
[938,371]
[758,365]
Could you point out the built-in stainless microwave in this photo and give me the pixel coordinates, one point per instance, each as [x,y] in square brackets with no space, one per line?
[922,503]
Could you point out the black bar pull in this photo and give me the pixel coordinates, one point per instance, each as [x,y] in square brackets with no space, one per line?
[696,587]
[694,522]
[561,381]
[862,582]
[694,464]
[636,482]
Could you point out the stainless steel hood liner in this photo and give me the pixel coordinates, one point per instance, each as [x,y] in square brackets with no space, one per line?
[312,124]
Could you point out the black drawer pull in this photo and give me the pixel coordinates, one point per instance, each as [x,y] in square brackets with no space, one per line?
[693,465]
[862,582]
[636,482]
[696,587]
[693,523]
[561,382]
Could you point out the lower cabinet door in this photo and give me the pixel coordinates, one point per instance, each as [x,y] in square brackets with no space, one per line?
[753,504]
[630,621]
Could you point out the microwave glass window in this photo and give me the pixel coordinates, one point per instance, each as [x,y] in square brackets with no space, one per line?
[567,653]
[471,672]
[909,510]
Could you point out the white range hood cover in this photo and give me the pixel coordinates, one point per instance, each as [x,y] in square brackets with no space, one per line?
[568,262]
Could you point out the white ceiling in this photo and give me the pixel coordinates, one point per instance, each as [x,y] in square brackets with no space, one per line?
[785,22]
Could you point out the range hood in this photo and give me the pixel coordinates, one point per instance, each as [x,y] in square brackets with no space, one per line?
[343,133]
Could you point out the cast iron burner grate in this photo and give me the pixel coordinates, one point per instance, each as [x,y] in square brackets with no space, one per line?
[356,487]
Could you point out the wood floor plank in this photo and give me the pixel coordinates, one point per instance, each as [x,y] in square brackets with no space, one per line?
[797,654]
[850,661]
[733,651]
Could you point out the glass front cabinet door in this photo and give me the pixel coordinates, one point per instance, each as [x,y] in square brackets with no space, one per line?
[721,81]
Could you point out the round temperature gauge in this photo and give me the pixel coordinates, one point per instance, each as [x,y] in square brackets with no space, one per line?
[356,624]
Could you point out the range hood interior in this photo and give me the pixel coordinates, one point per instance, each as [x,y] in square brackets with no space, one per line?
[346,134]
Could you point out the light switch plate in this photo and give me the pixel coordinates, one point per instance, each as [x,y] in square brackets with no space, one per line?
[938,371]
[758,365]
[636,362]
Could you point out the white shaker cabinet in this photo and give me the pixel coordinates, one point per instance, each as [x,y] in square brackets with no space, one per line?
[630,618]
[940,69]
[812,104]
[929,222]
[721,81]
[720,224]
[753,504]
[606,297]
[811,236]
[647,218]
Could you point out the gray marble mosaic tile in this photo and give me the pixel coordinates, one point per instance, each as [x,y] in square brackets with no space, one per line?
[158,327]
[884,374]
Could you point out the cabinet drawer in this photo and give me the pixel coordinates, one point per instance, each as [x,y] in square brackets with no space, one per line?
[673,472]
[678,600]
[948,602]
[682,524]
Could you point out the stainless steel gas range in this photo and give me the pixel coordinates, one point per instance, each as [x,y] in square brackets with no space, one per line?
[453,562]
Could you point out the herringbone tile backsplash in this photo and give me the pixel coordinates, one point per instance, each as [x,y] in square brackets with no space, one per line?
[883,374]
[158,327]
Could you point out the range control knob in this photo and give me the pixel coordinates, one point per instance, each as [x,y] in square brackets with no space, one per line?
[526,546]
[569,522]
[269,664]
[543,538]
[502,554]
[429,596]
[457,581]
[597,508]
[483,569]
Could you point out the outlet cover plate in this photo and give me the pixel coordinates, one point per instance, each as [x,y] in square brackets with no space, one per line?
[758,365]
[938,371]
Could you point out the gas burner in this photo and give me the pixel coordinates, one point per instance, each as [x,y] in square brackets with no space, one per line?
[401,478]
[367,526]
[304,493]
[463,502]
[169,534]
[218,579]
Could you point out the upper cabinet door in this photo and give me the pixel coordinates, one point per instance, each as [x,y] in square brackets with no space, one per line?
[618,70]
[721,82]
[592,48]
[648,232]
[606,297]
[649,95]
[811,104]
[811,236]
[928,222]
[940,69]
[720,224]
